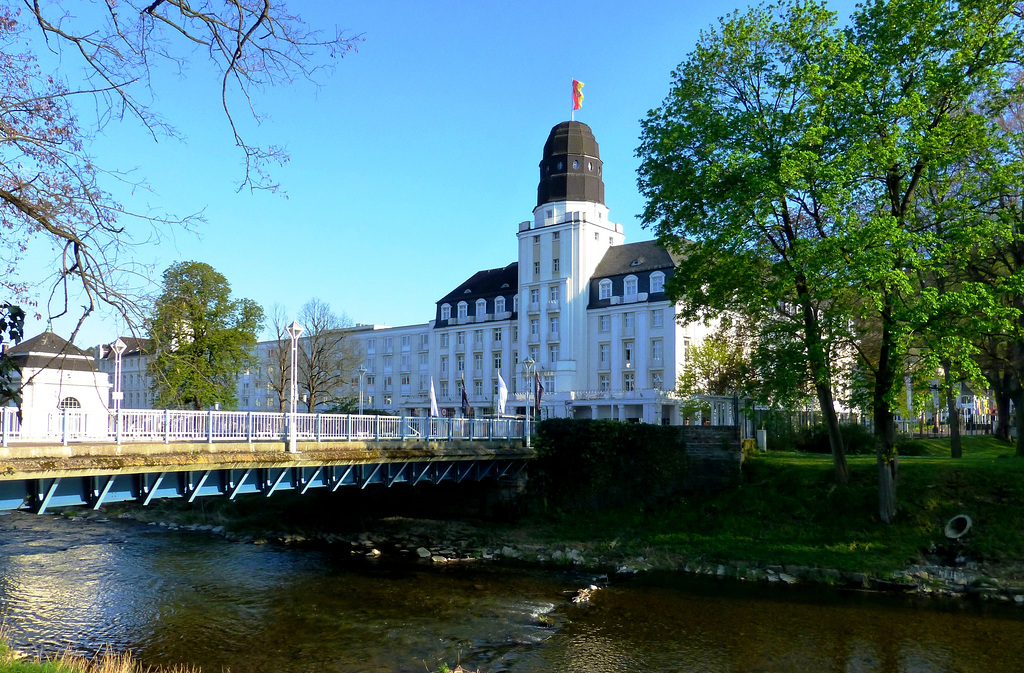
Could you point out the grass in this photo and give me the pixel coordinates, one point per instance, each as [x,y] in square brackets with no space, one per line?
[789,510]
[105,662]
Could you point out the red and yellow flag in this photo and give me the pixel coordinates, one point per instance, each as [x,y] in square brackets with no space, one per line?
[577,94]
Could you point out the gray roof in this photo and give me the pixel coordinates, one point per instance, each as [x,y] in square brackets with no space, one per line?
[488,283]
[135,346]
[620,260]
[49,351]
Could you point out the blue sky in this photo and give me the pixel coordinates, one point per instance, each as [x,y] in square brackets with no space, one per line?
[414,160]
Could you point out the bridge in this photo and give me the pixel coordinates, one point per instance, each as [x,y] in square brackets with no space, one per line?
[72,458]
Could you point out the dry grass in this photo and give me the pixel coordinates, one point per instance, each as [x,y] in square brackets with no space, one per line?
[103,662]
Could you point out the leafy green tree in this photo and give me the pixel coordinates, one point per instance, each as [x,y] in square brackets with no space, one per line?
[202,338]
[719,365]
[799,157]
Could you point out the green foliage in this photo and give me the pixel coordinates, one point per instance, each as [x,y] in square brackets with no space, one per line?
[856,437]
[597,463]
[202,338]
[717,366]
[12,328]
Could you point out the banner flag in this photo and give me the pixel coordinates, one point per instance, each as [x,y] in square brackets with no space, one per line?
[466,409]
[538,389]
[577,94]
[502,394]
[433,399]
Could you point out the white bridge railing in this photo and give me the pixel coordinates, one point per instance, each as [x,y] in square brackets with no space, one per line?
[166,425]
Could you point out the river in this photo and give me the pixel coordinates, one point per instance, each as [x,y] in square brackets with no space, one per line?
[191,597]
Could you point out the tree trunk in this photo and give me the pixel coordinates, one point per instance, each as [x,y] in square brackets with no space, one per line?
[885,423]
[835,437]
[1018,404]
[955,445]
[1002,393]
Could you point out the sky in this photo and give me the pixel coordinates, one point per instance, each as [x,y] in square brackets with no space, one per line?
[412,161]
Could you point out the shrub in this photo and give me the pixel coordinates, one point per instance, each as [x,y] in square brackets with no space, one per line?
[856,438]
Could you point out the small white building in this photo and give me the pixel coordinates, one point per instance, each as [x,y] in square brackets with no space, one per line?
[57,376]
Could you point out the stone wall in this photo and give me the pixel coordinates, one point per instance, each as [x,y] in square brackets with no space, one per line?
[714,456]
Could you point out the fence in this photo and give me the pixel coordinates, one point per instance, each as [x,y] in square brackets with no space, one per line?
[165,425]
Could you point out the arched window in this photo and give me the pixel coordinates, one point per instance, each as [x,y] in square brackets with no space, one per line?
[657,282]
[69,403]
[515,303]
[463,310]
[629,286]
[499,304]
[605,289]
[481,308]
[446,312]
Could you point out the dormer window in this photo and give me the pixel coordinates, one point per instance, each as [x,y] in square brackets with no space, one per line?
[499,304]
[605,289]
[446,312]
[481,308]
[463,310]
[629,285]
[515,303]
[657,282]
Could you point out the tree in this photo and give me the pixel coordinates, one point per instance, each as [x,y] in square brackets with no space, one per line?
[279,365]
[735,168]
[719,365]
[799,157]
[202,338]
[327,355]
[52,192]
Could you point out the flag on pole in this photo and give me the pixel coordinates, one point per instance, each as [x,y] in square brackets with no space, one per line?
[577,94]
[502,394]
[433,399]
[538,390]
[466,409]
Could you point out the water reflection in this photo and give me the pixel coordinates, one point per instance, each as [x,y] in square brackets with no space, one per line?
[190,598]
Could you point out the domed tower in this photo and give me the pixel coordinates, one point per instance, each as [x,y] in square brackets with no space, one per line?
[558,252]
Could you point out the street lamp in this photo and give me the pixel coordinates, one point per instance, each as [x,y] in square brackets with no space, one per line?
[119,348]
[528,364]
[362,373]
[294,331]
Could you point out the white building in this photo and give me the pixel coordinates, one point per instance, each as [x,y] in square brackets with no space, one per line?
[587,308]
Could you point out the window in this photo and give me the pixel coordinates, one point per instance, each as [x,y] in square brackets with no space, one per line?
[604,354]
[369,401]
[460,338]
[497,361]
[499,304]
[536,268]
[549,383]
[554,235]
[534,353]
[605,323]
[627,351]
[554,294]
[387,383]
[405,342]
[370,362]
[553,353]
[424,342]
[627,320]
[553,327]
[497,335]
[481,308]
[388,363]
[405,382]
[387,344]
[405,362]
[657,349]
[444,340]
[536,239]
[478,363]
[446,312]
[515,333]
[686,350]
[371,346]
[478,388]
[657,379]
[597,236]
[460,363]
[386,400]
[370,381]
[605,291]
[535,295]
[478,338]
[630,286]
[656,318]
[69,403]
[604,382]
[534,327]
[555,264]
[463,310]
[444,364]
[424,360]
[444,389]
[515,303]
[657,282]
[629,381]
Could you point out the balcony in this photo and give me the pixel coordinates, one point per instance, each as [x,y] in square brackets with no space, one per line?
[554,306]
[533,307]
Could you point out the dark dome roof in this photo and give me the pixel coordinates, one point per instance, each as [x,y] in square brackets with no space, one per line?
[571,167]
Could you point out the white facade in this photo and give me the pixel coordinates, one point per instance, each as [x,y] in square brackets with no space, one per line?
[586,307]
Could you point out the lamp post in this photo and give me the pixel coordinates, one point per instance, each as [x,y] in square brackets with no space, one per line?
[362,373]
[119,348]
[294,331]
[528,365]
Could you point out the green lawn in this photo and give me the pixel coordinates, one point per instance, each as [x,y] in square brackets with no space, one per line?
[788,510]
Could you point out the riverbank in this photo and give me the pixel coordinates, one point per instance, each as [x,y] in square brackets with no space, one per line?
[786,522]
